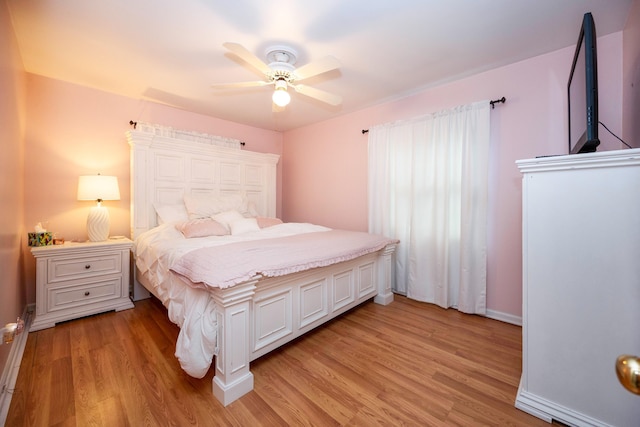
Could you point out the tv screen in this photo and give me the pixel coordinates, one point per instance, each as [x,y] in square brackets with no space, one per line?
[583,91]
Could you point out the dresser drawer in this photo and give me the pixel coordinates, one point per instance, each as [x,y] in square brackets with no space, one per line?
[60,298]
[64,269]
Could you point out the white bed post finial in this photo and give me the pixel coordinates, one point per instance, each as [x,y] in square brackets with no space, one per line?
[233,313]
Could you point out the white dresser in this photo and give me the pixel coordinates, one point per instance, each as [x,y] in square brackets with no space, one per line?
[79,279]
[581,286]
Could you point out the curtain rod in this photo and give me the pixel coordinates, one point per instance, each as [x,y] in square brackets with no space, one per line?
[495,101]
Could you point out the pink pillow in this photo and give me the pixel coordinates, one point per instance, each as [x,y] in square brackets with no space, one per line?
[264,222]
[202,227]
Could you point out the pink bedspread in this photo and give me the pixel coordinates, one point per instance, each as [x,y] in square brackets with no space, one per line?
[227,265]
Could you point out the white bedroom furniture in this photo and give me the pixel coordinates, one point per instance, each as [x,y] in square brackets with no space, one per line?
[581,278]
[263,313]
[78,279]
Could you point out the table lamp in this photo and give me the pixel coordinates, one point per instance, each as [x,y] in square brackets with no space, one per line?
[99,188]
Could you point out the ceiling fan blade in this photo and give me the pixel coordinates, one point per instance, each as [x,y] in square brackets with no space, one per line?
[323,65]
[240,85]
[318,94]
[248,57]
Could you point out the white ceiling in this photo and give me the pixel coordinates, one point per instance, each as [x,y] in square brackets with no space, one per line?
[171,51]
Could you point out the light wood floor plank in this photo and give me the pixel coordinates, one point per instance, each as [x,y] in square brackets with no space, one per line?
[408,363]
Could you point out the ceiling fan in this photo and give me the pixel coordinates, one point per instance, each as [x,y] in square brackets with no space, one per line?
[281,72]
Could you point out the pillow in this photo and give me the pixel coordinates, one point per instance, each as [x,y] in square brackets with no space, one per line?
[227,217]
[202,227]
[203,207]
[171,213]
[244,225]
[264,222]
[248,209]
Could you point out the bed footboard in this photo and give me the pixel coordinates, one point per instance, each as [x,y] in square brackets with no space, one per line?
[260,315]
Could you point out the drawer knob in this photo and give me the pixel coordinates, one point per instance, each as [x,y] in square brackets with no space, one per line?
[88,266]
[87,293]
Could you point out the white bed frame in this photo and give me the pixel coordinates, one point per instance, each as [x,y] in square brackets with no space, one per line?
[262,314]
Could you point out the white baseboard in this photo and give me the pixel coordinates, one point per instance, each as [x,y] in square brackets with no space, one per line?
[551,411]
[504,317]
[491,314]
[12,367]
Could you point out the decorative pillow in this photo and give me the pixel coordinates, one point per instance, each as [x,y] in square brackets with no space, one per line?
[244,225]
[202,227]
[227,217]
[264,222]
[203,207]
[171,213]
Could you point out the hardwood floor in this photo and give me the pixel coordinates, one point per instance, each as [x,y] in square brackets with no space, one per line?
[408,363]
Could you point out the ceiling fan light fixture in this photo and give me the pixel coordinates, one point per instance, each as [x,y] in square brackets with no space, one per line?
[280,96]
[281,72]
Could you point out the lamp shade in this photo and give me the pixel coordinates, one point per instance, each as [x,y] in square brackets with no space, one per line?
[98,187]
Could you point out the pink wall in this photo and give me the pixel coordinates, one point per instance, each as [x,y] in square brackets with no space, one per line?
[325,165]
[73,130]
[12,112]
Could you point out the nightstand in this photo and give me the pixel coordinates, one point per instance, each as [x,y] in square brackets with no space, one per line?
[78,279]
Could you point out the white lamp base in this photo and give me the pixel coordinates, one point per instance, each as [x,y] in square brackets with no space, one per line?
[98,224]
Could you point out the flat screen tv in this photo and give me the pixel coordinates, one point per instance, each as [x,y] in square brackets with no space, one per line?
[583,91]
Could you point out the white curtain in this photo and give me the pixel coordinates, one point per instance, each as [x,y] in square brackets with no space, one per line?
[428,187]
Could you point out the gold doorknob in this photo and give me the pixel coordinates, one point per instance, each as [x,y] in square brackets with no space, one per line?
[628,371]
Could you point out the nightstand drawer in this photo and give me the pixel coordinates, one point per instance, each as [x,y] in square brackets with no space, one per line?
[80,295]
[64,269]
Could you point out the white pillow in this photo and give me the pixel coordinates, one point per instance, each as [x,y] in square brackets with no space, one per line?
[227,217]
[248,209]
[203,207]
[244,225]
[171,213]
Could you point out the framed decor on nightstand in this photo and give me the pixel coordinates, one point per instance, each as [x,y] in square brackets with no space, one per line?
[79,279]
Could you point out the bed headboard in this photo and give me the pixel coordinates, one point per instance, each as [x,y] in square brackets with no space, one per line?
[166,165]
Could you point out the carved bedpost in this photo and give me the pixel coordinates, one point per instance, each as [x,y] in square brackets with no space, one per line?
[233,313]
[385,275]
[139,144]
